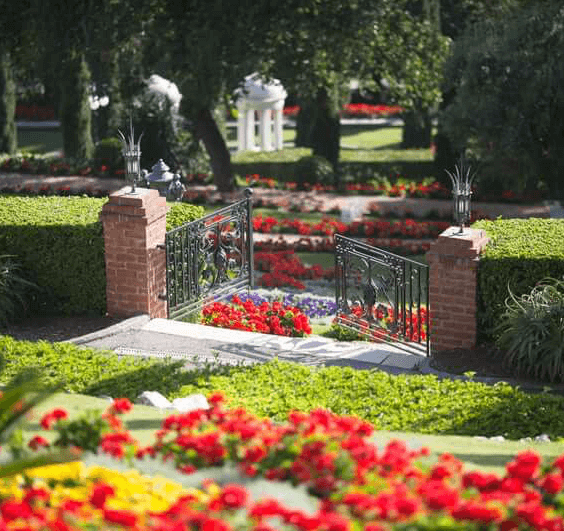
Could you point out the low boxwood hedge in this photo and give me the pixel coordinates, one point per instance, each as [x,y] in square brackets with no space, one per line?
[59,243]
[521,252]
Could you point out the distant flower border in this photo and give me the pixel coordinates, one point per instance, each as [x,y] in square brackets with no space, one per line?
[356,110]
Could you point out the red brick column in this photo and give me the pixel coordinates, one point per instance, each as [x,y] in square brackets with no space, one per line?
[453,265]
[134,224]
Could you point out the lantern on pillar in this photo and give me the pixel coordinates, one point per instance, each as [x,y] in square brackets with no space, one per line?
[461,190]
[132,155]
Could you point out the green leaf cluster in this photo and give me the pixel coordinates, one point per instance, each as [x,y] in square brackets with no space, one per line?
[532,331]
[520,253]
[411,403]
[181,213]
[86,371]
[505,105]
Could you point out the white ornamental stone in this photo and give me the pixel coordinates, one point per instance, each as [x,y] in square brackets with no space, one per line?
[155,399]
[190,403]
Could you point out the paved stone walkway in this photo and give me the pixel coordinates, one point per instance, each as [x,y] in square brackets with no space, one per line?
[197,344]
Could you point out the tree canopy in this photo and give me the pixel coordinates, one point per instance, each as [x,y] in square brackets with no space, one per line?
[508,107]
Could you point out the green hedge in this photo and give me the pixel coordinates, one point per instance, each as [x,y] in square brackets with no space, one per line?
[358,172]
[520,253]
[59,243]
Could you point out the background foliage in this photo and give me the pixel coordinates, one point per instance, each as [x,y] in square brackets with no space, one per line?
[507,106]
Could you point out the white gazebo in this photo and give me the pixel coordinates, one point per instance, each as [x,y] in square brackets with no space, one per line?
[267,100]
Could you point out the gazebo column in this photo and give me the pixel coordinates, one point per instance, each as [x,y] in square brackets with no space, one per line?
[278,134]
[242,129]
[265,130]
[250,129]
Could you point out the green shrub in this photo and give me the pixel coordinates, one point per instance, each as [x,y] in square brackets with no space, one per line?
[60,245]
[532,331]
[86,371]
[12,289]
[313,170]
[410,403]
[108,153]
[521,252]
[181,213]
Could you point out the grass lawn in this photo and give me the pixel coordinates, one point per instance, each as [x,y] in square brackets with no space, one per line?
[40,140]
[143,421]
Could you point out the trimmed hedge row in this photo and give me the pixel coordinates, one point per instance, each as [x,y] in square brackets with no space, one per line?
[59,243]
[521,252]
[358,172]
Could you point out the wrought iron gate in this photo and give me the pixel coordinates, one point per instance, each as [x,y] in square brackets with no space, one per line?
[209,258]
[382,295]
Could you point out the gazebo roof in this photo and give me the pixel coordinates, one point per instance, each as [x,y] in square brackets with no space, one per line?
[255,90]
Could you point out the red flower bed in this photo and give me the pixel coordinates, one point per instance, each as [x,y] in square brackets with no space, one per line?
[285,268]
[405,228]
[327,244]
[356,110]
[359,486]
[266,318]
[414,329]
[35,112]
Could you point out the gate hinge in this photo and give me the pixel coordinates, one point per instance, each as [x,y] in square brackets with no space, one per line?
[162,296]
[161,246]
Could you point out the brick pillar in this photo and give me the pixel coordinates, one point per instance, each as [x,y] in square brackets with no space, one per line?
[453,266]
[134,224]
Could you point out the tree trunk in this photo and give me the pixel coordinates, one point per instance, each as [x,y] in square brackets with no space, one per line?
[208,132]
[76,113]
[8,131]
[319,127]
[115,113]
[416,130]
[303,124]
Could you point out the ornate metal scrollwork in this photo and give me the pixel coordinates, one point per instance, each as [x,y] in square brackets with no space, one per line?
[378,293]
[209,257]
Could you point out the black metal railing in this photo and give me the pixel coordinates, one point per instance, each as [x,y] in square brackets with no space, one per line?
[382,295]
[210,258]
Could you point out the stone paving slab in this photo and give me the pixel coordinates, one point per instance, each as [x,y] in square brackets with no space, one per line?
[198,344]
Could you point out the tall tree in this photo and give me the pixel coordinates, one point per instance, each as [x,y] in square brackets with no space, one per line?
[226,41]
[8,132]
[508,107]
[316,48]
[207,47]
[74,34]
[409,53]
[13,43]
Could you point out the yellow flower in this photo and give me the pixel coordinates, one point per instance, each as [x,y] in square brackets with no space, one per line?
[133,491]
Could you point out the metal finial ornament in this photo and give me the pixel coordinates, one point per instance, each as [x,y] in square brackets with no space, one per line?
[461,179]
[132,155]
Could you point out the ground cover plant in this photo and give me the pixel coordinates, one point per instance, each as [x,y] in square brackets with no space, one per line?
[410,403]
